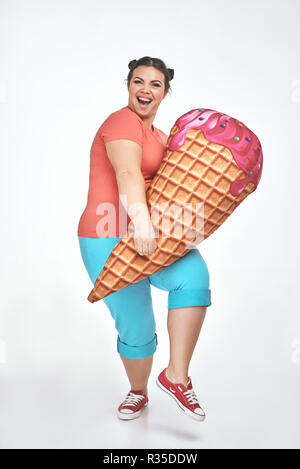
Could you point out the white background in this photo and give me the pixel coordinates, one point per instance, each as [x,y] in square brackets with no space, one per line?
[62,72]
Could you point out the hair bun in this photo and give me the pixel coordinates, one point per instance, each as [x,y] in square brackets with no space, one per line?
[171,73]
[132,63]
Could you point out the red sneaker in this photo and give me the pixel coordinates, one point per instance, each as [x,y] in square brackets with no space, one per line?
[183,395]
[132,406]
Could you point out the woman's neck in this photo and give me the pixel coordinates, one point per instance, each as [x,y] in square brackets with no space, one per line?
[147,122]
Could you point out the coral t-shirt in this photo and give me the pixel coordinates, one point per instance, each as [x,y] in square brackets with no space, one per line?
[104,215]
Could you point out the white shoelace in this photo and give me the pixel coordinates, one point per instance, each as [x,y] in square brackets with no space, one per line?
[191,396]
[132,399]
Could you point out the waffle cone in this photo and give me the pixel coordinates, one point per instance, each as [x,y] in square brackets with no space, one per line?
[193,180]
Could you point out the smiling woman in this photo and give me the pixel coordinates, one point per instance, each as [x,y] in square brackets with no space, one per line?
[148,83]
[146,100]
[126,154]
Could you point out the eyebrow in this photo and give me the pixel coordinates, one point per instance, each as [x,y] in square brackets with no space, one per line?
[151,81]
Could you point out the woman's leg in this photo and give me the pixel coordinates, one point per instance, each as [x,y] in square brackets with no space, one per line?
[184,326]
[132,310]
[138,372]
[187,281]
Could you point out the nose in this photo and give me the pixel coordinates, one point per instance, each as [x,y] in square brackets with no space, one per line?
[146,89]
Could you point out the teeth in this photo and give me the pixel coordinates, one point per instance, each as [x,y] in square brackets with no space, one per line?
[144,100]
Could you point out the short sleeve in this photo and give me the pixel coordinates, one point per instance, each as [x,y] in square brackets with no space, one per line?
[122,125]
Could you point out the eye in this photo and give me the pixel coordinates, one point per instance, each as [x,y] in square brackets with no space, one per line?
[138,81]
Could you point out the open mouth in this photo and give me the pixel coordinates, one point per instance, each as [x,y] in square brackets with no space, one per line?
[144,102]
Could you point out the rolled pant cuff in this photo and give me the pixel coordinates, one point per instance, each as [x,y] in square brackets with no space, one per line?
[189,297]
[137,351]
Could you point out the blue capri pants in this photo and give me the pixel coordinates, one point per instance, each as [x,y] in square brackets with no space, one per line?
[186,280]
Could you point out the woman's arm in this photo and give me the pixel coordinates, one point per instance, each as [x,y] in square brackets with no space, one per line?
[126,158]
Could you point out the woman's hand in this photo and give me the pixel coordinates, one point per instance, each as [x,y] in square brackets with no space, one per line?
[144,237]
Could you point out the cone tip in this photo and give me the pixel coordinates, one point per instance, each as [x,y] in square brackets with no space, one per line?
[91,298]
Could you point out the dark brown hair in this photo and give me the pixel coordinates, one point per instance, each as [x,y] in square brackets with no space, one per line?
[153,62]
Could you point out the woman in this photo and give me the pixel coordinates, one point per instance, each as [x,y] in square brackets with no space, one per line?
[125,155]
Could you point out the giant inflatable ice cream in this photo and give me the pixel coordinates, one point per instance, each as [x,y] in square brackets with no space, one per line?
[211,163]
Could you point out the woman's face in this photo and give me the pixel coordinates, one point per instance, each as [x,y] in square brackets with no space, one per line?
[147,82]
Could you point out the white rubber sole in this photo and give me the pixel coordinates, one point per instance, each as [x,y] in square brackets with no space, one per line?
[188,412]
[134,415]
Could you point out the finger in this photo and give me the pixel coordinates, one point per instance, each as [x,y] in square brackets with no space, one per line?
[140,248]
[146,247]
[137,245]
[131,229]
[153,246]
[150,249]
